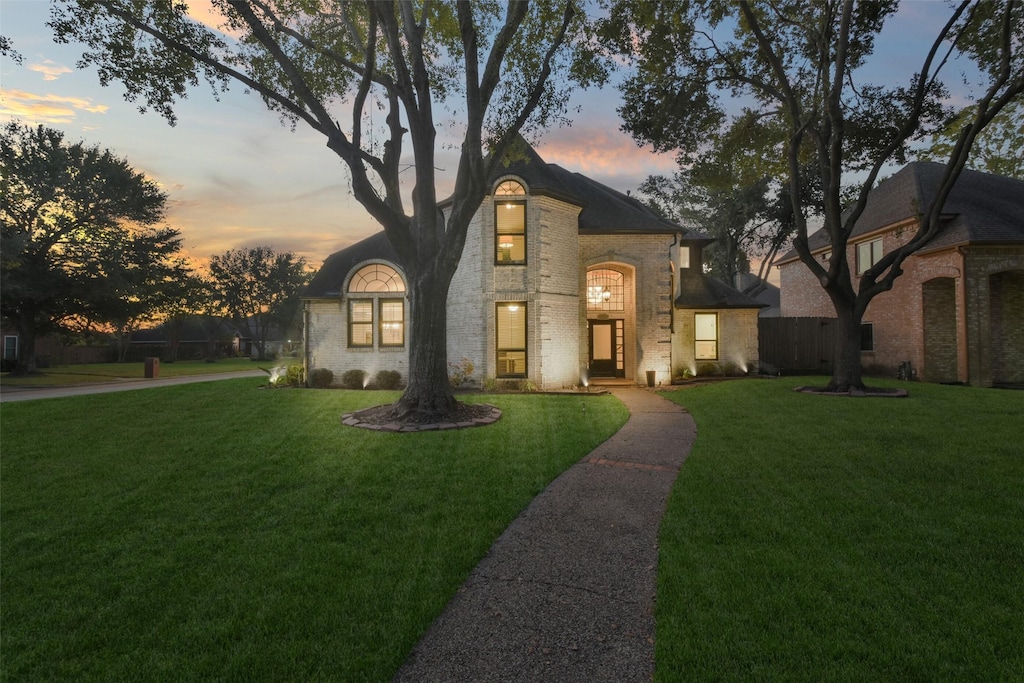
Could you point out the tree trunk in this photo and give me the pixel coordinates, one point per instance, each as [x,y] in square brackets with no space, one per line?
[847,373]
[26,364]
[428,393]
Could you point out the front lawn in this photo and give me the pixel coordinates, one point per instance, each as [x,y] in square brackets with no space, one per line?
[824,538]
[93,373]
[223,531]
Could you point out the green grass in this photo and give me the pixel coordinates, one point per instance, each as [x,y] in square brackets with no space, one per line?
[823,538]
[94,373]
[222,531]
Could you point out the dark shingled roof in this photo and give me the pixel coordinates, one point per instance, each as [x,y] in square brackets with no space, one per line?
[697,290]
[982,208]
[603,211]
[330,279]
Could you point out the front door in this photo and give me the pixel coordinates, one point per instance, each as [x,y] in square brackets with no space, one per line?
[606,348]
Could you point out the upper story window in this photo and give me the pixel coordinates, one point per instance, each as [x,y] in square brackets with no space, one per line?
[510,223]
[605,290]
[377,313]
[868,254]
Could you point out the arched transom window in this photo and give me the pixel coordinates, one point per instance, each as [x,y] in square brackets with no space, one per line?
[377,277]
[509,188]
[376,313]
[604,290]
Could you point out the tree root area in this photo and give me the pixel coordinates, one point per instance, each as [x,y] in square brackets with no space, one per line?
[862,392]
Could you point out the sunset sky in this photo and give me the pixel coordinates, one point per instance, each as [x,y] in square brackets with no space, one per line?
[236,177]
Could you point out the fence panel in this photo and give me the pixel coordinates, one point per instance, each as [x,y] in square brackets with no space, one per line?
[797,345]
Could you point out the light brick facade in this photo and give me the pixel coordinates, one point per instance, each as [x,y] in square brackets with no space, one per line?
[551,282]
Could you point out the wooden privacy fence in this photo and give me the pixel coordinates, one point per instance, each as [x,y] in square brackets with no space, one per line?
[796,345]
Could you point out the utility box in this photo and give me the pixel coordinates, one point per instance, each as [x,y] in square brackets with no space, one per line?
[152,368]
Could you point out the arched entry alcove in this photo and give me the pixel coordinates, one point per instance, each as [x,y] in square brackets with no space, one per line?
[938,302]
[611,319]
[1006,317]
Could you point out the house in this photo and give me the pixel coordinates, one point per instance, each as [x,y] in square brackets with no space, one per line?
[957,311]
[562,280]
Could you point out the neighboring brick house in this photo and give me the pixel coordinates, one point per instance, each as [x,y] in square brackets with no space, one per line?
[562,280]
[957,311]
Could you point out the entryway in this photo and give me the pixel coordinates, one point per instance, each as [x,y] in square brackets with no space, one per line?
[607,345]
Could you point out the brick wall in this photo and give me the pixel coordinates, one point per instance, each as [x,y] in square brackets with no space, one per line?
[737,339]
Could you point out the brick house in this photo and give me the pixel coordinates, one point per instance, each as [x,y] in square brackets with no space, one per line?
[562,280]
[957,311]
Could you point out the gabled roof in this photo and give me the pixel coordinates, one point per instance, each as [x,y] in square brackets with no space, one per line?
[982,208]
[604,210]
[330,279]
[697,290]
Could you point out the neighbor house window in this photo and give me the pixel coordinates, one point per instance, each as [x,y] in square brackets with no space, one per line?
[510,319]
[705,336]
[510,223]
[377,307]
[10,347]
[604,290]
[867,337]
[868,254]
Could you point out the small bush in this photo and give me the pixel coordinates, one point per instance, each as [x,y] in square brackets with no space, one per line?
[296,376]
[709,370]
[353,379]
[491,384]
[388,379]
[460,373]
[320,378]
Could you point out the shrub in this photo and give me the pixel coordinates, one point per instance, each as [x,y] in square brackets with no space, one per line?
[296,376]
[709,369]
[459,373]
[353,379]
[388,379]
[491,384]
[320,378]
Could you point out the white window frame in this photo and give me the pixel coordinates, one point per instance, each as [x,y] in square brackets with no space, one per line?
[868,254]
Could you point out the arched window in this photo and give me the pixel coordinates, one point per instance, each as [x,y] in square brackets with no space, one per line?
[510,223]
[605,290]
[376,277]
[376,310]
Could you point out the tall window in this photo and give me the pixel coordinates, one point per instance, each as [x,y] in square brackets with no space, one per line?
[511,339]
[705,336]
[510,223]
[378,309]
[604,290]
[868,254]
[392,322]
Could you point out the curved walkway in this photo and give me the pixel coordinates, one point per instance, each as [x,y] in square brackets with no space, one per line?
[567,592]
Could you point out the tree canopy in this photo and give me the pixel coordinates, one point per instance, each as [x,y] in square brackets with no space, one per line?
[501,68]
[801,64]
[259,289]
[79,246]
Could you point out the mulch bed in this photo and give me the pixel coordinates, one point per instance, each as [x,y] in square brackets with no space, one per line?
[876,392]
[465,415]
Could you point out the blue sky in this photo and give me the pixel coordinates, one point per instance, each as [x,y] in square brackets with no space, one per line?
[236,177]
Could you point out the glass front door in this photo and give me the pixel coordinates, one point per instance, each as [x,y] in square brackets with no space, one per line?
[606,348]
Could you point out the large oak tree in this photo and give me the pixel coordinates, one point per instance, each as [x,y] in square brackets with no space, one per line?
[800,63]
[501,67]
[79,242]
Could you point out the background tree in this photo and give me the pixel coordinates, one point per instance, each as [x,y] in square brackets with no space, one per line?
[259,288]
[999,148]
[798,61]
[70,215]
[497,65]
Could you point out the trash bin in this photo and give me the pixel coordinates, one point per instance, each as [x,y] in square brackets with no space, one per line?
[152,368]
[650,377]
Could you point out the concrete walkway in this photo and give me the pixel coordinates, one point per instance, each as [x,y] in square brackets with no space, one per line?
[567,592]
[9,394]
